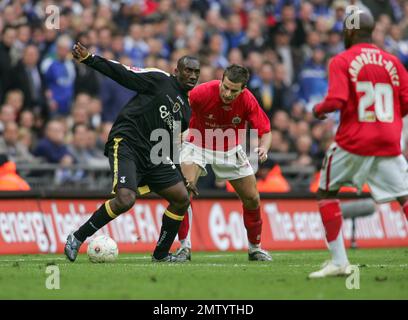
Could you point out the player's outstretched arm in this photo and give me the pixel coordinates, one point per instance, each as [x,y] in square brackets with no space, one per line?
[338,91]
[327,106]
[140,80]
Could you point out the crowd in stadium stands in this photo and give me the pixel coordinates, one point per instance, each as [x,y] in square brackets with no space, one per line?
[56,111]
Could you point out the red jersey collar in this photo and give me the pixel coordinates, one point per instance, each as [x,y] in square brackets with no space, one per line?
[364,45]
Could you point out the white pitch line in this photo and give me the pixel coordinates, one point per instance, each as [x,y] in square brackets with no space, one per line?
[5,262]
[119,258]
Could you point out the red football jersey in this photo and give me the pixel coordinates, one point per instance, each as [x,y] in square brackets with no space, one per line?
[374,85]
[212,118]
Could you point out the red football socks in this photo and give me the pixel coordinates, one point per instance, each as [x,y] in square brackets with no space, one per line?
[405,209]
[253,224]
[184,226]
[331,217]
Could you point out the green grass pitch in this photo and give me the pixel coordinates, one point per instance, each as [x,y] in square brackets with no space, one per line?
[211,275]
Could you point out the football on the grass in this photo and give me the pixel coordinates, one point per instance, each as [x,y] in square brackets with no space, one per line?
[102,249]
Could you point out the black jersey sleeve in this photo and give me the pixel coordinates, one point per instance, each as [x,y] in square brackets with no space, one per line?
[137,79]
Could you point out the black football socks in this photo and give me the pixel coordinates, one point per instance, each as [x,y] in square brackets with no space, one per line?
[170,225]
[100,218]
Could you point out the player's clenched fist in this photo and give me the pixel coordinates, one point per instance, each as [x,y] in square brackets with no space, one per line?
[317,114]
[80,52]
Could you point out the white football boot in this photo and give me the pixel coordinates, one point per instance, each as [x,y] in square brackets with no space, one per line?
[329,269]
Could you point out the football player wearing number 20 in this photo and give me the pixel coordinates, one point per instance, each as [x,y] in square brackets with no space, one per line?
[370,88]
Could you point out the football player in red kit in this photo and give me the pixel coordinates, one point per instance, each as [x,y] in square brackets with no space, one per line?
[220,113]
[370,88]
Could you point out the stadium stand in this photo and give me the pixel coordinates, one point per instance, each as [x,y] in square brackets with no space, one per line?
[286,44]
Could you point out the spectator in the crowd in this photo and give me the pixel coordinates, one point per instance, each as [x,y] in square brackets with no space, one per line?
[27,138]
[9,179]
[117,45]
[306,17]
[104,39]
[379,7]
[285,94]
[214,24]
[286,54]
[52,147]
[97,158]
[339,7]
[303,145]
[403,23]
[313,79]
[102,135]
[80,146]
[254,39]
[317,132]
[292,25]
[23,38]
[59,75]
[94,111]
[360,4]
[270,178]
[281,122]
[279,144]
[15,150]
[254,63]
[27,120]
[135,46]
[113,95]
[280,41]
[265,92]
[86,80]
[312,41]
[395,44]
[179,36]
[216,49]
[235,57]
[206,74]
[7,114]
[335,44]
[15,98]
[299,128]
[322,27]
[79,115]
[26,76]
[8,38]
[235,33]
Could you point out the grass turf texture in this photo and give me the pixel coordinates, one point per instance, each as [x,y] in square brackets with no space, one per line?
[215,275]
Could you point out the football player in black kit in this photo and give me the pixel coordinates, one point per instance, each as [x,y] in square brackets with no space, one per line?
[162,103]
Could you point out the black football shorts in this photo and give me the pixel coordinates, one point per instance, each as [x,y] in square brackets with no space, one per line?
[128,172]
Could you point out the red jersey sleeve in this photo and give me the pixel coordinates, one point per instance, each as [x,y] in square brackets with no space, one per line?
[196,95]
[256,116]
[338,79]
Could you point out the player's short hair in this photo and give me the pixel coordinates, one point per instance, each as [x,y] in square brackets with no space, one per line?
[181,63]
[237,74]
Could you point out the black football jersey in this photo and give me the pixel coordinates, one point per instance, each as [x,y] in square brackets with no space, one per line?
[160,105]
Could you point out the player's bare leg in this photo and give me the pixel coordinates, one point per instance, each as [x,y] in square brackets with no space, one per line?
[332,219]
[191,172]
[123,201]
[179,201]
[249,195]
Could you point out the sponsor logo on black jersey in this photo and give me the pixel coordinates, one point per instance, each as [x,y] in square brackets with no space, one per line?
[176,107]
